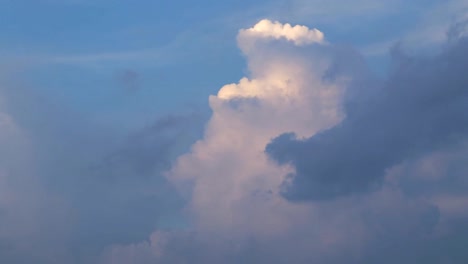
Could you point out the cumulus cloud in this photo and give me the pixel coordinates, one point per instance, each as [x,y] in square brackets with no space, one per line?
[228,170]
[230,183]
[324,94]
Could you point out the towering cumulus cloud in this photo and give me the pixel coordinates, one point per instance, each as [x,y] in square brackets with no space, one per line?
[233,185]
[234,177]
[232,182]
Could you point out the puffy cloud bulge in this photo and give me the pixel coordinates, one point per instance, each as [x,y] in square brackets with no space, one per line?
[311,123]
[268,30]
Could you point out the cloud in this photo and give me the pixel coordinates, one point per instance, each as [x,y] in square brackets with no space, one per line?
[300,35]
[230,183]
[69,186]
[227,169]
[421,107]
[236,209]
[31,227]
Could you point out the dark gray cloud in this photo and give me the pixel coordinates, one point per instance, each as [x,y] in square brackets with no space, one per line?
[422,106]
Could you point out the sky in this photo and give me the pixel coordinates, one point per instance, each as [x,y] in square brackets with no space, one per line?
[265,131]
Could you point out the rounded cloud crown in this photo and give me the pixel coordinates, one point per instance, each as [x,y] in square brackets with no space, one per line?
[266,29]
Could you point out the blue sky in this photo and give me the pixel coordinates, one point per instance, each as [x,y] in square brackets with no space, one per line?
[265,131]
[75,49]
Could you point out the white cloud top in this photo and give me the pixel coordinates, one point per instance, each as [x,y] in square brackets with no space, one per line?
[266,29]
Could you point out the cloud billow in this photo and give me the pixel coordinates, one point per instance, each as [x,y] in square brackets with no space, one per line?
[421,107]
[350,133]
